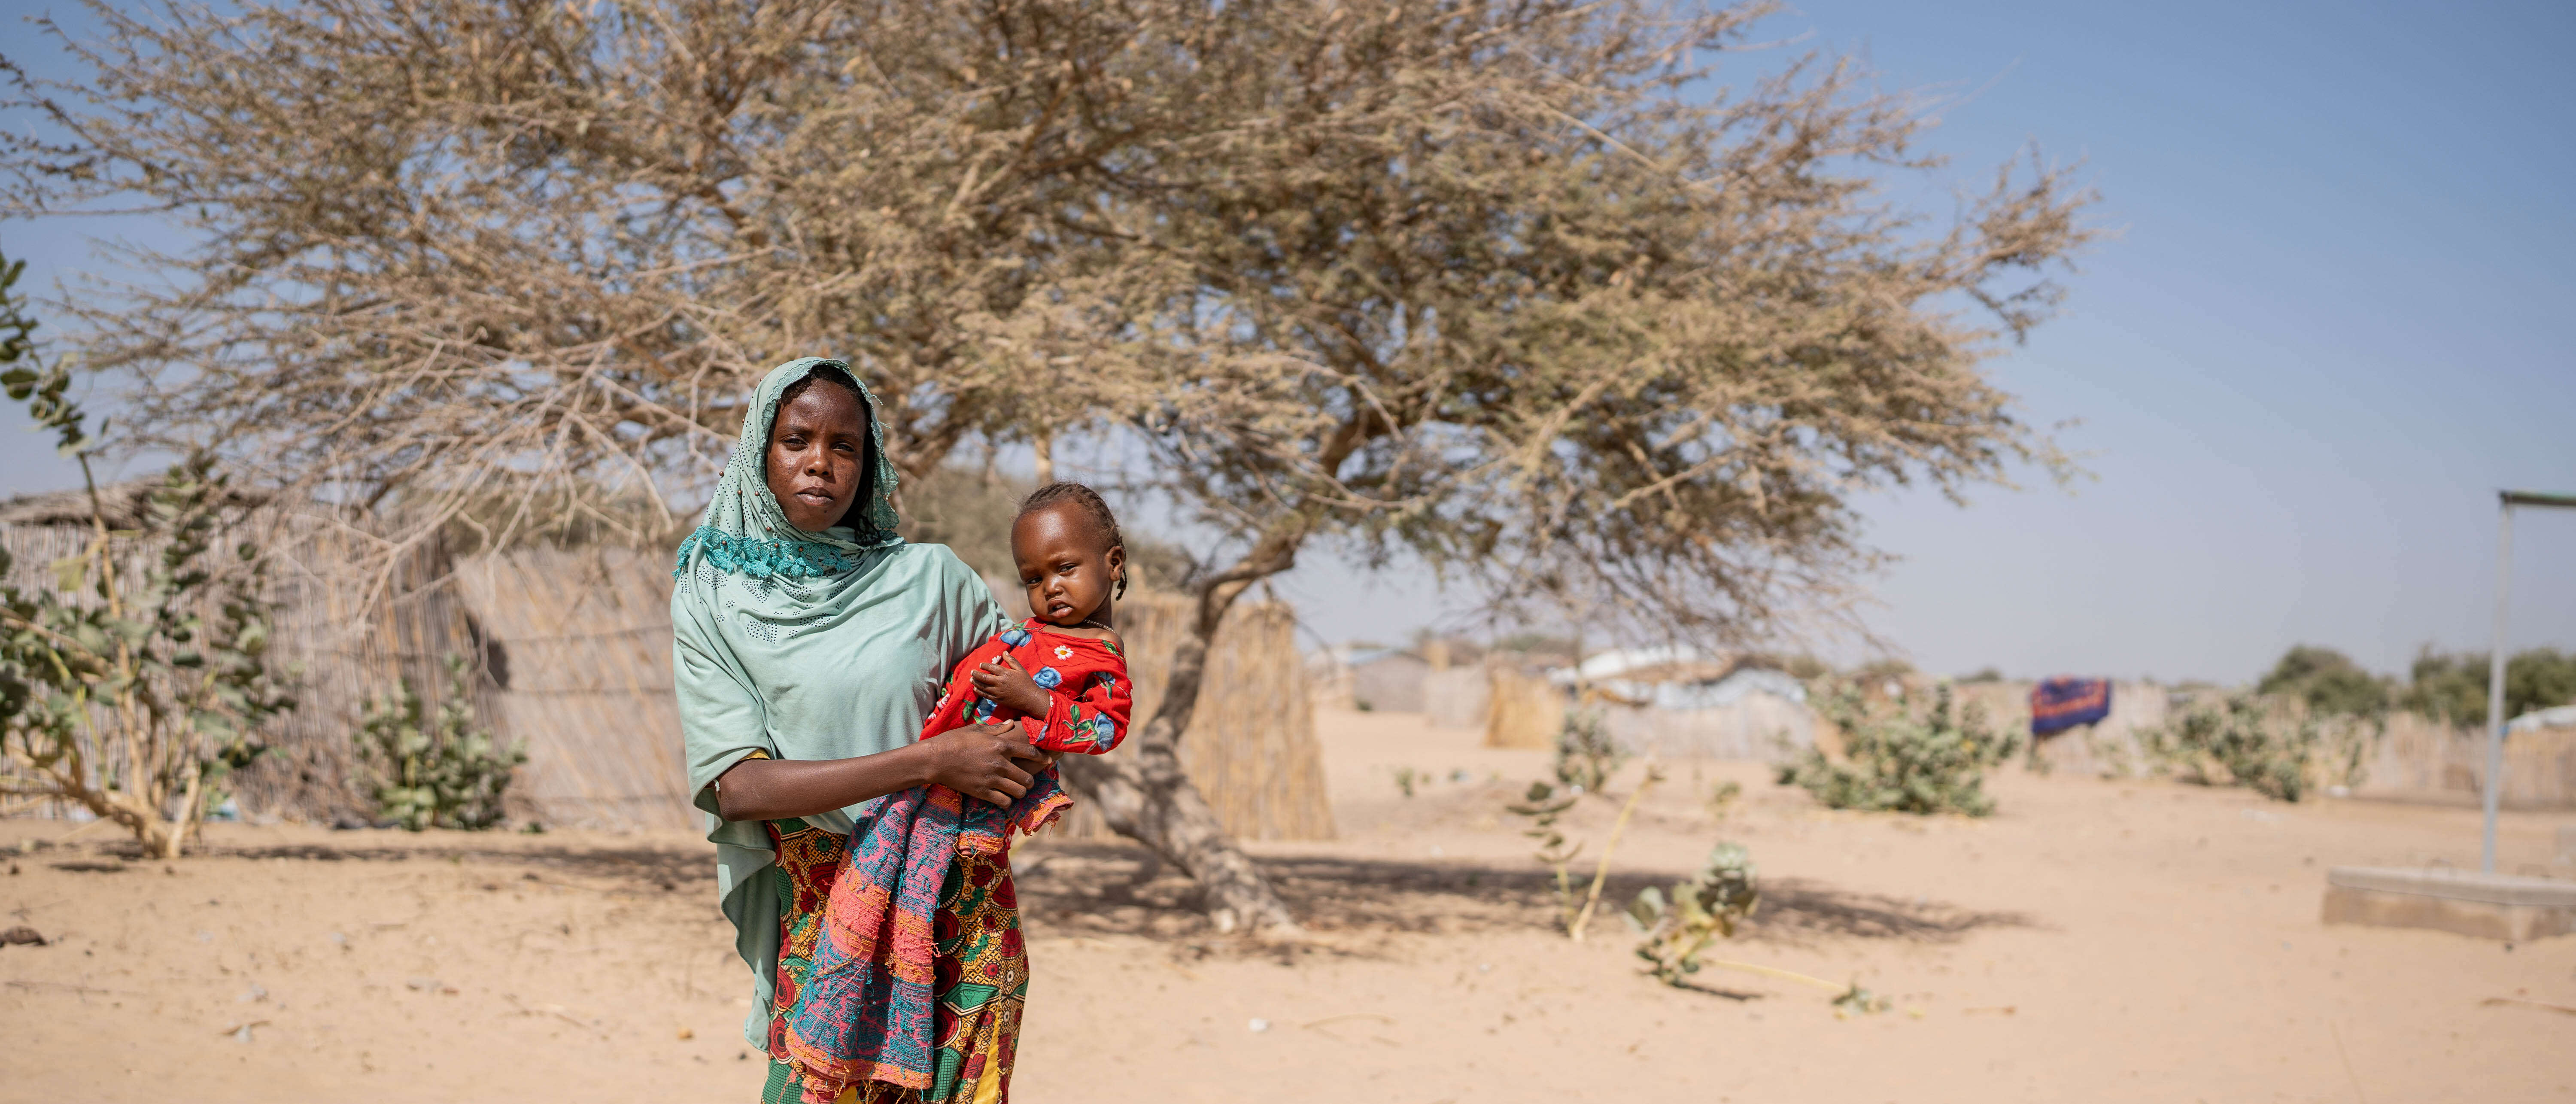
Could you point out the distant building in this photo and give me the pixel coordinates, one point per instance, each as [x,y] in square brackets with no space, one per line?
[1680,701]
[1387,680]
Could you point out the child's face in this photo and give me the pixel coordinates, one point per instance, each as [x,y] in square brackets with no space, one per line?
[1064,563]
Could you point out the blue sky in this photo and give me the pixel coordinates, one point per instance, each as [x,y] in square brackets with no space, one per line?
[2336,318]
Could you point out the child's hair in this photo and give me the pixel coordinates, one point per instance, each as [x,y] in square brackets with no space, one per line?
[1092,507]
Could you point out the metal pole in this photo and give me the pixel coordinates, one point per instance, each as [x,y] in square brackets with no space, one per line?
[2495,683]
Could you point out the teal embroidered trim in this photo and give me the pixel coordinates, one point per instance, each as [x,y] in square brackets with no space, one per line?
[761,558]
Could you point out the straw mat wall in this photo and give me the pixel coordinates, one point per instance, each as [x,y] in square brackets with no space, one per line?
[352,636]
[569,652]
[1251,747]
[1523,709]
[580,660]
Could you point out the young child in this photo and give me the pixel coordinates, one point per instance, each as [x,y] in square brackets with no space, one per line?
[1063,673]
[870,1007]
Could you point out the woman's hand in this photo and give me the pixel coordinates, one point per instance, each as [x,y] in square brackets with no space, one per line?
[989,761]
[1002,681]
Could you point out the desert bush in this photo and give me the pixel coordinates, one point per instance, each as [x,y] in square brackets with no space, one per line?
[2328,681]
[2239,742]
[1701,909]
[2454,687]
[2266,745]
[1586,756]
[1896,761]
[132,693]
[437,771]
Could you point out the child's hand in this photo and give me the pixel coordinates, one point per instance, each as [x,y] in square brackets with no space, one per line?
[1001,681]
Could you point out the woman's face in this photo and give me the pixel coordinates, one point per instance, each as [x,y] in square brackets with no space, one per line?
[818,450]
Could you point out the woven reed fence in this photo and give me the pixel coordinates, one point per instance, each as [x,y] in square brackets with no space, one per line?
[351,635]
[569,653]
[1251,748]
[579,658]
[1523,710]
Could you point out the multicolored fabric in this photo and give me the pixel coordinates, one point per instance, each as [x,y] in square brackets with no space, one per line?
[865,1008]
[980,976]
[1088,702]
[2059,704]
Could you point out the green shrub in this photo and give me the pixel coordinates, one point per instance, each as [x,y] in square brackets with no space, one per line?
[1586,756]
[437,771]
[1701,910]
[1897,761]
[142,676]
[2329,682]
[2242,742]
[2454,687]
[1721,798]
[1543,805]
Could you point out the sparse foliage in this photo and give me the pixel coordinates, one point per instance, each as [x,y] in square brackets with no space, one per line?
[1721,798]
[436,770]
[2271,747]
[1543,805]
[2453,687]
[1895,760]
[141,678]
[2328,682]
[1586,756]
[1653,776]
[1702,909]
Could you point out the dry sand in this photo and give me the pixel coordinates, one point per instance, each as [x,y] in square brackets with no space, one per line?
[2091,941]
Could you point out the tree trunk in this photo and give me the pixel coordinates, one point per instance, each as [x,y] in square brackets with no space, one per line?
[1147,797]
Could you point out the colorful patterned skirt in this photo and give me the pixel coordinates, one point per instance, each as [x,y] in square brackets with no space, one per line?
[983,965]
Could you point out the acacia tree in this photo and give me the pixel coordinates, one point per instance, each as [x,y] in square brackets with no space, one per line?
[1483,283]
[458,249]
[1495,283]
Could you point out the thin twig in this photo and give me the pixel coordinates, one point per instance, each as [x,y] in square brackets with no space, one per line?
[2347,1063]
[2529,1003]
[1601,872]
[1774,971]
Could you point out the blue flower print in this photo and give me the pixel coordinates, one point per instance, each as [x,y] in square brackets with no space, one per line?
[983,711]
[1015,637]
[1104,731]
[1047,678]
[1108,682]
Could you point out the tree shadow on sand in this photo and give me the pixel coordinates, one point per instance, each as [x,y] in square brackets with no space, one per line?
[640,869]
[1115,889]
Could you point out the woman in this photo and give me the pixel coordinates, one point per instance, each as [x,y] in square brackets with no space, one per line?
[810,646]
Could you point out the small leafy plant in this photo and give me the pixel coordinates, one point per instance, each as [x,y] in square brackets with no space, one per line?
[1901,762]
[435,771]
[135,683]
[1586,756]
[1702,909]
[1543,805]
[1721,798]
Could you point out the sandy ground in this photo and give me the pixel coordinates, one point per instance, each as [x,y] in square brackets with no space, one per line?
[2093,940]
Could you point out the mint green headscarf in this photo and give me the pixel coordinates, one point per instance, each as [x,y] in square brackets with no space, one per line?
[800,645]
